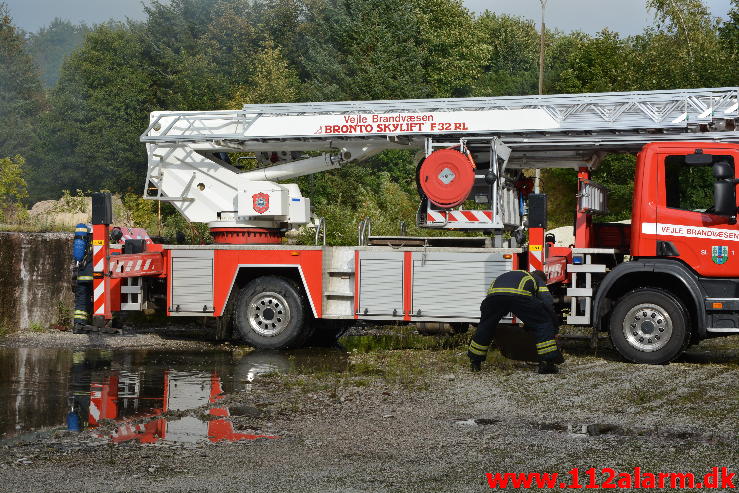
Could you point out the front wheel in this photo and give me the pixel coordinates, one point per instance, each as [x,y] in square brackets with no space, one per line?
[271,313]
[649,326]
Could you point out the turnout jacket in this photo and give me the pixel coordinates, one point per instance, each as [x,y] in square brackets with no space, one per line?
[522,283]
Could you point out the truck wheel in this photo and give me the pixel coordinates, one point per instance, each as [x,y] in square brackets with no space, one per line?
[271,313]
[649,326]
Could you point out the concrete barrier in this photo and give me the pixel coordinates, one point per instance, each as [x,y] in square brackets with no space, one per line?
[35,287]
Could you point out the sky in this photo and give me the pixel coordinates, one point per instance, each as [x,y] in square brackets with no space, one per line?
[624,16]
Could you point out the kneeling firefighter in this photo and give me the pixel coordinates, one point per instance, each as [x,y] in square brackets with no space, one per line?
[526,296]
[82,254]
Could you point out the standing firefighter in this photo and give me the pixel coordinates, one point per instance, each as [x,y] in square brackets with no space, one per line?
[82,254]
[526,296]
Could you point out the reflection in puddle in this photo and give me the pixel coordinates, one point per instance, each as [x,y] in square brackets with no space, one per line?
[142,395]
[182,391]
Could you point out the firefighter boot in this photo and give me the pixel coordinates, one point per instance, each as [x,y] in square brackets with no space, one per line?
[557,359]
[547,367]
[475,364]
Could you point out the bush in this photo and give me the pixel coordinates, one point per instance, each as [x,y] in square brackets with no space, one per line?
[13,188]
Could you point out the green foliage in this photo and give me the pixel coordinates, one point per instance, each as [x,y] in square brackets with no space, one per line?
[272,80]
[71,204]
[51,45]
[13,188]
[21,95]
[37,327]
[513,61]
[729,34]
[100,106]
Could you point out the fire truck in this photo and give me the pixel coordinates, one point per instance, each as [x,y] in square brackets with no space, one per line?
[665,280]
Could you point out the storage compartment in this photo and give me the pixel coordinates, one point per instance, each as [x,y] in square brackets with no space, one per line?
[452,285]
[191,279]
[381,284]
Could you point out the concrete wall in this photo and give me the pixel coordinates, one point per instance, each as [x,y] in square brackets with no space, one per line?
[35,273]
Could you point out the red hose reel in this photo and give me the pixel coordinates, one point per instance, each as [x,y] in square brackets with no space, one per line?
[446,177]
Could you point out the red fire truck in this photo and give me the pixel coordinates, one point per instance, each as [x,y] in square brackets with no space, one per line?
[658,284]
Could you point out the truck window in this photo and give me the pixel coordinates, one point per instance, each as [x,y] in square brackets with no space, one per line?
[688,187]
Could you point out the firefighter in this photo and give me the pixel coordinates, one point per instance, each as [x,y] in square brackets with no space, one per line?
[82,254]
[526,296]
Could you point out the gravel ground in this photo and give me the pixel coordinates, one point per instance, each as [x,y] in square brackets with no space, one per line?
[171,338]
[417,419]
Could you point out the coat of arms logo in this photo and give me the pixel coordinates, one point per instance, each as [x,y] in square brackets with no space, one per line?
[720,254]
[261,202]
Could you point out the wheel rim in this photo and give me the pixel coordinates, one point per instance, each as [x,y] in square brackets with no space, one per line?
[268,314]
[647,327]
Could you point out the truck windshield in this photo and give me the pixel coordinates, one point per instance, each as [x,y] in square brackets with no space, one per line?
[689,187]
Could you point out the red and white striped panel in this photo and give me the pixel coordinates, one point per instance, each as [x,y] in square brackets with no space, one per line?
[99,252]
[98,282]
[463,216]
[133,265]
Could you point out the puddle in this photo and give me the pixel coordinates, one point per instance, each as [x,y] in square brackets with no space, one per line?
[145,394]
[476,421]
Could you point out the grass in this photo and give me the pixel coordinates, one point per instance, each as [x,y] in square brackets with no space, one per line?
[32,227]
[37,327]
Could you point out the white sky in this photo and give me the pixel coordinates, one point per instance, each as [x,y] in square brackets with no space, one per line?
[624,16]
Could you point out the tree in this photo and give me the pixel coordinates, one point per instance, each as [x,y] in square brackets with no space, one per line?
[99,108]
[683,51]
[511,68]
[451,42]
[272,80]
[729,35]
[21,95]
[51,45]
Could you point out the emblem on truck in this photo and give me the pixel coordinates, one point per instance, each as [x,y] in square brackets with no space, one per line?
[720,254]
[261,202]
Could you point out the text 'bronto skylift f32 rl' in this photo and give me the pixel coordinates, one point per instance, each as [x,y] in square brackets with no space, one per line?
[667,279]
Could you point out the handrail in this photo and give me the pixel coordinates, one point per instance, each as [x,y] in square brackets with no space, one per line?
[365,231]
[321,229]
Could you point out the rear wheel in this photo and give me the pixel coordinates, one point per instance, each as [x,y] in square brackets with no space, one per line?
[649,326]
[271,313]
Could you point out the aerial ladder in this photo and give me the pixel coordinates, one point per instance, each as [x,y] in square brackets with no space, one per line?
[232,170]
[188,151]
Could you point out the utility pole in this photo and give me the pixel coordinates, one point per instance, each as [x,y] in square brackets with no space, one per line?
[543,3]
[541,47]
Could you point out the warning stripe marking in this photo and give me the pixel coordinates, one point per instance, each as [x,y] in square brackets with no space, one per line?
[459,216]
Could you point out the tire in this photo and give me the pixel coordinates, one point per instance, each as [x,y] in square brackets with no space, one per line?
[271,313]
[650,326]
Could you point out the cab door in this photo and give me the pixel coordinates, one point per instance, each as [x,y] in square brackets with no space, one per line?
[687,228]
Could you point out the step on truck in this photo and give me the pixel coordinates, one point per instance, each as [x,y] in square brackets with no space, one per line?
[668,278]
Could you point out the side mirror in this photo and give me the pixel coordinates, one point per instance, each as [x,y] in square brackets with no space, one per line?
[724,198]
[723,171]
